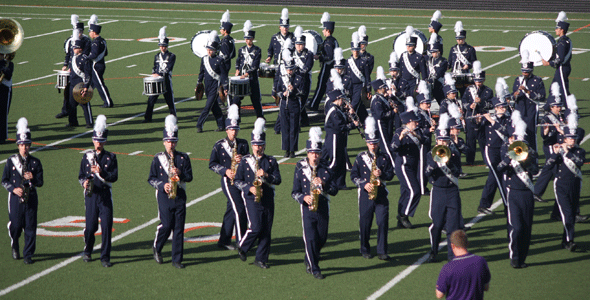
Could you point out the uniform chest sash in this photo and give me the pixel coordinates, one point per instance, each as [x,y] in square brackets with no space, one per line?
[77,70]
[460,56]
[91,159]
[300,64]
[522,175]
[448,173]
[17,165]
[408,65]
[210,69]
[355,69]
[571,165]
[101,55]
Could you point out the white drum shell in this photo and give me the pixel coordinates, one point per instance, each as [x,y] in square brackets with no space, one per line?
[399,44]
[239,87]
[540,44]
[63,78]
[153,86]
[199,43]
[313,41]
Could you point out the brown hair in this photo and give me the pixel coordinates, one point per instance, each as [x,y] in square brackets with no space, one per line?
[459,239]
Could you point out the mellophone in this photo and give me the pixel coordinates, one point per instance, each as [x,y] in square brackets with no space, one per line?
[153,86]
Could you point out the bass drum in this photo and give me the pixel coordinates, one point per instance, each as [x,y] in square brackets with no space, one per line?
[313,41]
[540,44]
[399,44]
[199,43]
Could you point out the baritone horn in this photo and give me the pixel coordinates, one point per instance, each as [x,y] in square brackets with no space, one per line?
[441,154]
[11,38]
[518,151]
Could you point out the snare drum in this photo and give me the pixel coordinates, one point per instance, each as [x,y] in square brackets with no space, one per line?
[267,71]
[313,41]
[63,78]
[153,86]
[540,44]
[239,87]
[399,44]
[463,79]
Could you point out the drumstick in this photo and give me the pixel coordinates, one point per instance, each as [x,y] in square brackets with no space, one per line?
[149,75]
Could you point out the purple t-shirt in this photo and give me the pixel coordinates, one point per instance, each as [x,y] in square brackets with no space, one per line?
[464,277]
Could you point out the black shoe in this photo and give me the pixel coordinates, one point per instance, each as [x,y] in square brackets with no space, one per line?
[367,255]
[432,258]
[28,261]
[15,254]
[106,106]
[307,267]
[227,247]
[538,198]
[277,132]
[318,275]
[571,246]
[485,211]
[582,218]
[61,115]
[261,264]
[404,222]
[106,264]
[199,130]
[178,265]
[514,263]
[287,154]
[86,258]
[219,129]
[555,217]
[157,256]
[523,265]
[383,257]
[292,155]
[89,126]
[242,254]
[70,125]
[462,175]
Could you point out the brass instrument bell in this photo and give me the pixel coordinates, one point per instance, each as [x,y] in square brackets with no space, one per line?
[441,154]
[518,150]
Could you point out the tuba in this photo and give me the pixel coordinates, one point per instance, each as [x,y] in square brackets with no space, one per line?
[374,180]
[11,38]
[173,178]
[25,184]
[234,163]
[441,154]
[518,151]
[257,184]
[314,190]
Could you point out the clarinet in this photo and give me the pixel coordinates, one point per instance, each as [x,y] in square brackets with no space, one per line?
[353,117]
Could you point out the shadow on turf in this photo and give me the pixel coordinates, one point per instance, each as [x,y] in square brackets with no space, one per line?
[55,256]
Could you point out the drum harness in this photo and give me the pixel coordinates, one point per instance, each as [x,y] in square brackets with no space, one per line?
[460,58]
[247,60]
[162,63]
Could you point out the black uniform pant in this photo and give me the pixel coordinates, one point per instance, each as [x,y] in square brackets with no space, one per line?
[445,210]
[409,188]
[306,90]
[73,113]
[23,216]
[255,97]
[315,232]
[385,128]
[380,208]
[65,108]
[211,105]
[260,219]
[168,96]
[520,208]
[492,158]
[5,98]
[472,136]
[172,213]
[357,103]
[547,173]
[320,89]
[99,85]
[562,74]
[290,111]
[334,152]
[567,196]
[234,219]
[99,205]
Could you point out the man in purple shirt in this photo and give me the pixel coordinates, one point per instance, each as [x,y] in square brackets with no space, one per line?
[465,277]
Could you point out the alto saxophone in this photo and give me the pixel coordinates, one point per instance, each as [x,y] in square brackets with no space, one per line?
[25,184]
[234,163]
[314,191]
[90,178]
[173,178]
[374,180]
[257,184]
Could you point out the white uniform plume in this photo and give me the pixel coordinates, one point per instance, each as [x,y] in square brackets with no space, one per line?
[393,58]
[381,73]
[449,79]
[572,121]
[315,134]
[410,106]
[443,122]
[355,39]
[436,16]
[477,67]
[247,27]
[524,56]
[93,20]
[362,32]
[336,80]
[288,44]
[501,91]
[433,38]
[75,35]
[298,32]
[170,124]
[225,17]
[162,34]
[325,18]
[423,89]
[212,37]
[285,14]
[259,126]
[519,125]
[74,20]
[454,111]
[572,102]
[370,127]
[286,55]
[101,124]
[561,17]
[338,54]
[22,126]
[409,31]
[233,112]
[458,27]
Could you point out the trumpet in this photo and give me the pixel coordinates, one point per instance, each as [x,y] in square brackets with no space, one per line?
[314,190]
[257,185]
[441,154]
[173,178]
[374,180]
[11,38]
[518,151]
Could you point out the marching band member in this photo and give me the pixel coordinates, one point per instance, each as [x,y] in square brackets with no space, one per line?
[277,45]
[528,89]
[455,126]
[364,42]
[412,65]
[326,58]
[98,51]
[495,131]
[358,69]
[225,157]
[169,173]
[214,72]
[227,47]
[258,173]
[281,71]
[98,171]
[80,71]
[337,126]
[313,179]
[163,65]
[563,55]
[290,89]
[304,61]
[383,112]
[520,203]
[369,173]
[407,141]
[22,175]
[568,159]
[445,201]
[69,44]
[433,28]
[427,125]
[339,70]
[393,90]
[477,100]
[450,91]
[437,66]
[462,55]
[247,65]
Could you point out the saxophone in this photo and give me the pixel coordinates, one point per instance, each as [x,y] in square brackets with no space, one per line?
[374,180]
[25,184]
[314,190]
[172,179]
[90,187]
[257,184]
[234,163]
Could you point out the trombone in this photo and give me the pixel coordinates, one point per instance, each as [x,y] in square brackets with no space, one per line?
[518,151]
[11,38]
[441,154]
